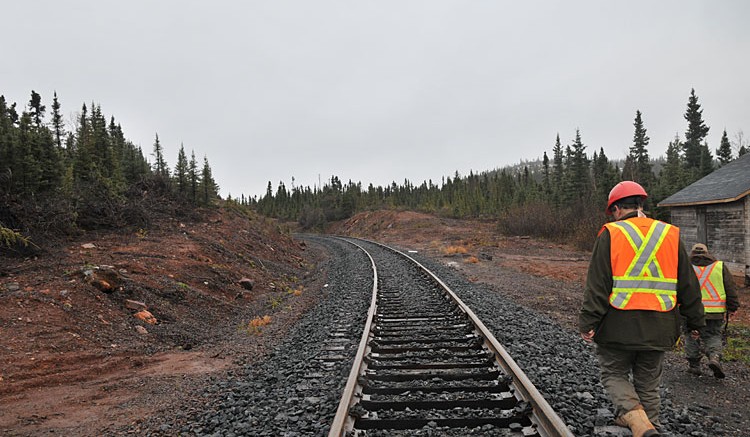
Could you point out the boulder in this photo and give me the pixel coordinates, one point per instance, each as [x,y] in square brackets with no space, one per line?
[247,283]
[135,305]
[103,285]
[146,316]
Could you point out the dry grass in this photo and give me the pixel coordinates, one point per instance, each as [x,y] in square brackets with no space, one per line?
[256,325]
[455,250]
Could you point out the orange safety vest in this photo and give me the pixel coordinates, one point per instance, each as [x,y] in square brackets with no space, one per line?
[711,278]
[644,254]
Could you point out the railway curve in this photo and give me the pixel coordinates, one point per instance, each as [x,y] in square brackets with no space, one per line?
[426,362]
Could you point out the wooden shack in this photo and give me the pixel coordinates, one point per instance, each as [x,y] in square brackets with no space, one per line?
[715,211]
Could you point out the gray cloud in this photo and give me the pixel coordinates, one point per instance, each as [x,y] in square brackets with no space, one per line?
[382,91]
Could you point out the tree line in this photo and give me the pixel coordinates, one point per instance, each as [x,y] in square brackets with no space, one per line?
[55,180]
[561,196]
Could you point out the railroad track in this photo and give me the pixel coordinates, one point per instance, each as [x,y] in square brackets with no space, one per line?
[426,365]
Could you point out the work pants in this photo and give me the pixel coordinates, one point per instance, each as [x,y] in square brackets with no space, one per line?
[631,378]
[710,340]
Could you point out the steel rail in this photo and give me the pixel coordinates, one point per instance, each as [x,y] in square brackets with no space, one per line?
[342,420]
[544,417]
[549,421]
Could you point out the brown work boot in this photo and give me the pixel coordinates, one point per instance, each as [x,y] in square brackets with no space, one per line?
[620,421]
[715,366]
[694,367]
[637,420]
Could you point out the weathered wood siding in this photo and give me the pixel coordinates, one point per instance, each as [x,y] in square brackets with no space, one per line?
[723,227]
[726,230]
[685,218]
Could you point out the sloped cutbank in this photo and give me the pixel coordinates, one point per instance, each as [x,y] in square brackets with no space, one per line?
[87,325]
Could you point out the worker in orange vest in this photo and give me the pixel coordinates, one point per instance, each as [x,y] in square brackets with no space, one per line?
[639,282]
[720,300]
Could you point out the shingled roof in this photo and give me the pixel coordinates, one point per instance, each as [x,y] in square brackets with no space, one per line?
[727,184]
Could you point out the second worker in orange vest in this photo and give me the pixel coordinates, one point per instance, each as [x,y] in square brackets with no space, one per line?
[639,282]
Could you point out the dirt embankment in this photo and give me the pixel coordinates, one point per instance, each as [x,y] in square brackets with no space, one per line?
[101,331]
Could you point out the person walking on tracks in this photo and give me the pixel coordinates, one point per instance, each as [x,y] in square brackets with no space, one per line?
[638,277]
[720,301]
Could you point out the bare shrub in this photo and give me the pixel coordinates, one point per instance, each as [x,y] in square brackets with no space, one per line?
[534,219]
[312,218]
[576,225]
[150,201]
[585,229]
[33,222]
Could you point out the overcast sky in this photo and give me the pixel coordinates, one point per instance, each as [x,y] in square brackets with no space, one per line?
[381,91]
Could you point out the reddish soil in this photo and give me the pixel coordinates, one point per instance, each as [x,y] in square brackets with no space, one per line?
[75,360]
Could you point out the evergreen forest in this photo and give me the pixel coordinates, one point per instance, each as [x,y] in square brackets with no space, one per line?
[56,181]
[560,198]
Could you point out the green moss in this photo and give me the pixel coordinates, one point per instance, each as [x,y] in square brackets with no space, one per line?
[738,344]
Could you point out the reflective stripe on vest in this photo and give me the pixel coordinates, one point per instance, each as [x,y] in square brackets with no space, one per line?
[644,285]
[711,278]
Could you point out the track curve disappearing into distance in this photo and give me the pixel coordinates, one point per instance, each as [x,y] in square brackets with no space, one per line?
[426,364]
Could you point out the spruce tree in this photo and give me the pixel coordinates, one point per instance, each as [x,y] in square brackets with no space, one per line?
[7,147]
[36,109]
[604,177]
[638,157]
[58,127]
[41,164]
[672,177]
[49,156]
[28,169]
[557,171]
[724,152]
[84,161]
[579,186]
[209,188]
[696,132]
[142,167]
[160,164]
[546,182]
[738,144]
[193,178]
[107,155]
[128,165]
[181,172]
[707,161]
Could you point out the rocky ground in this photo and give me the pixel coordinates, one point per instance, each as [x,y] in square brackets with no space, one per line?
[103,330]
[78,355]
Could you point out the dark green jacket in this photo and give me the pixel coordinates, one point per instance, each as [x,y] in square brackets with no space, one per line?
[730,289]
[636,329]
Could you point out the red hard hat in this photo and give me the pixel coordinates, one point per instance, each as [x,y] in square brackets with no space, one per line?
[622,190]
